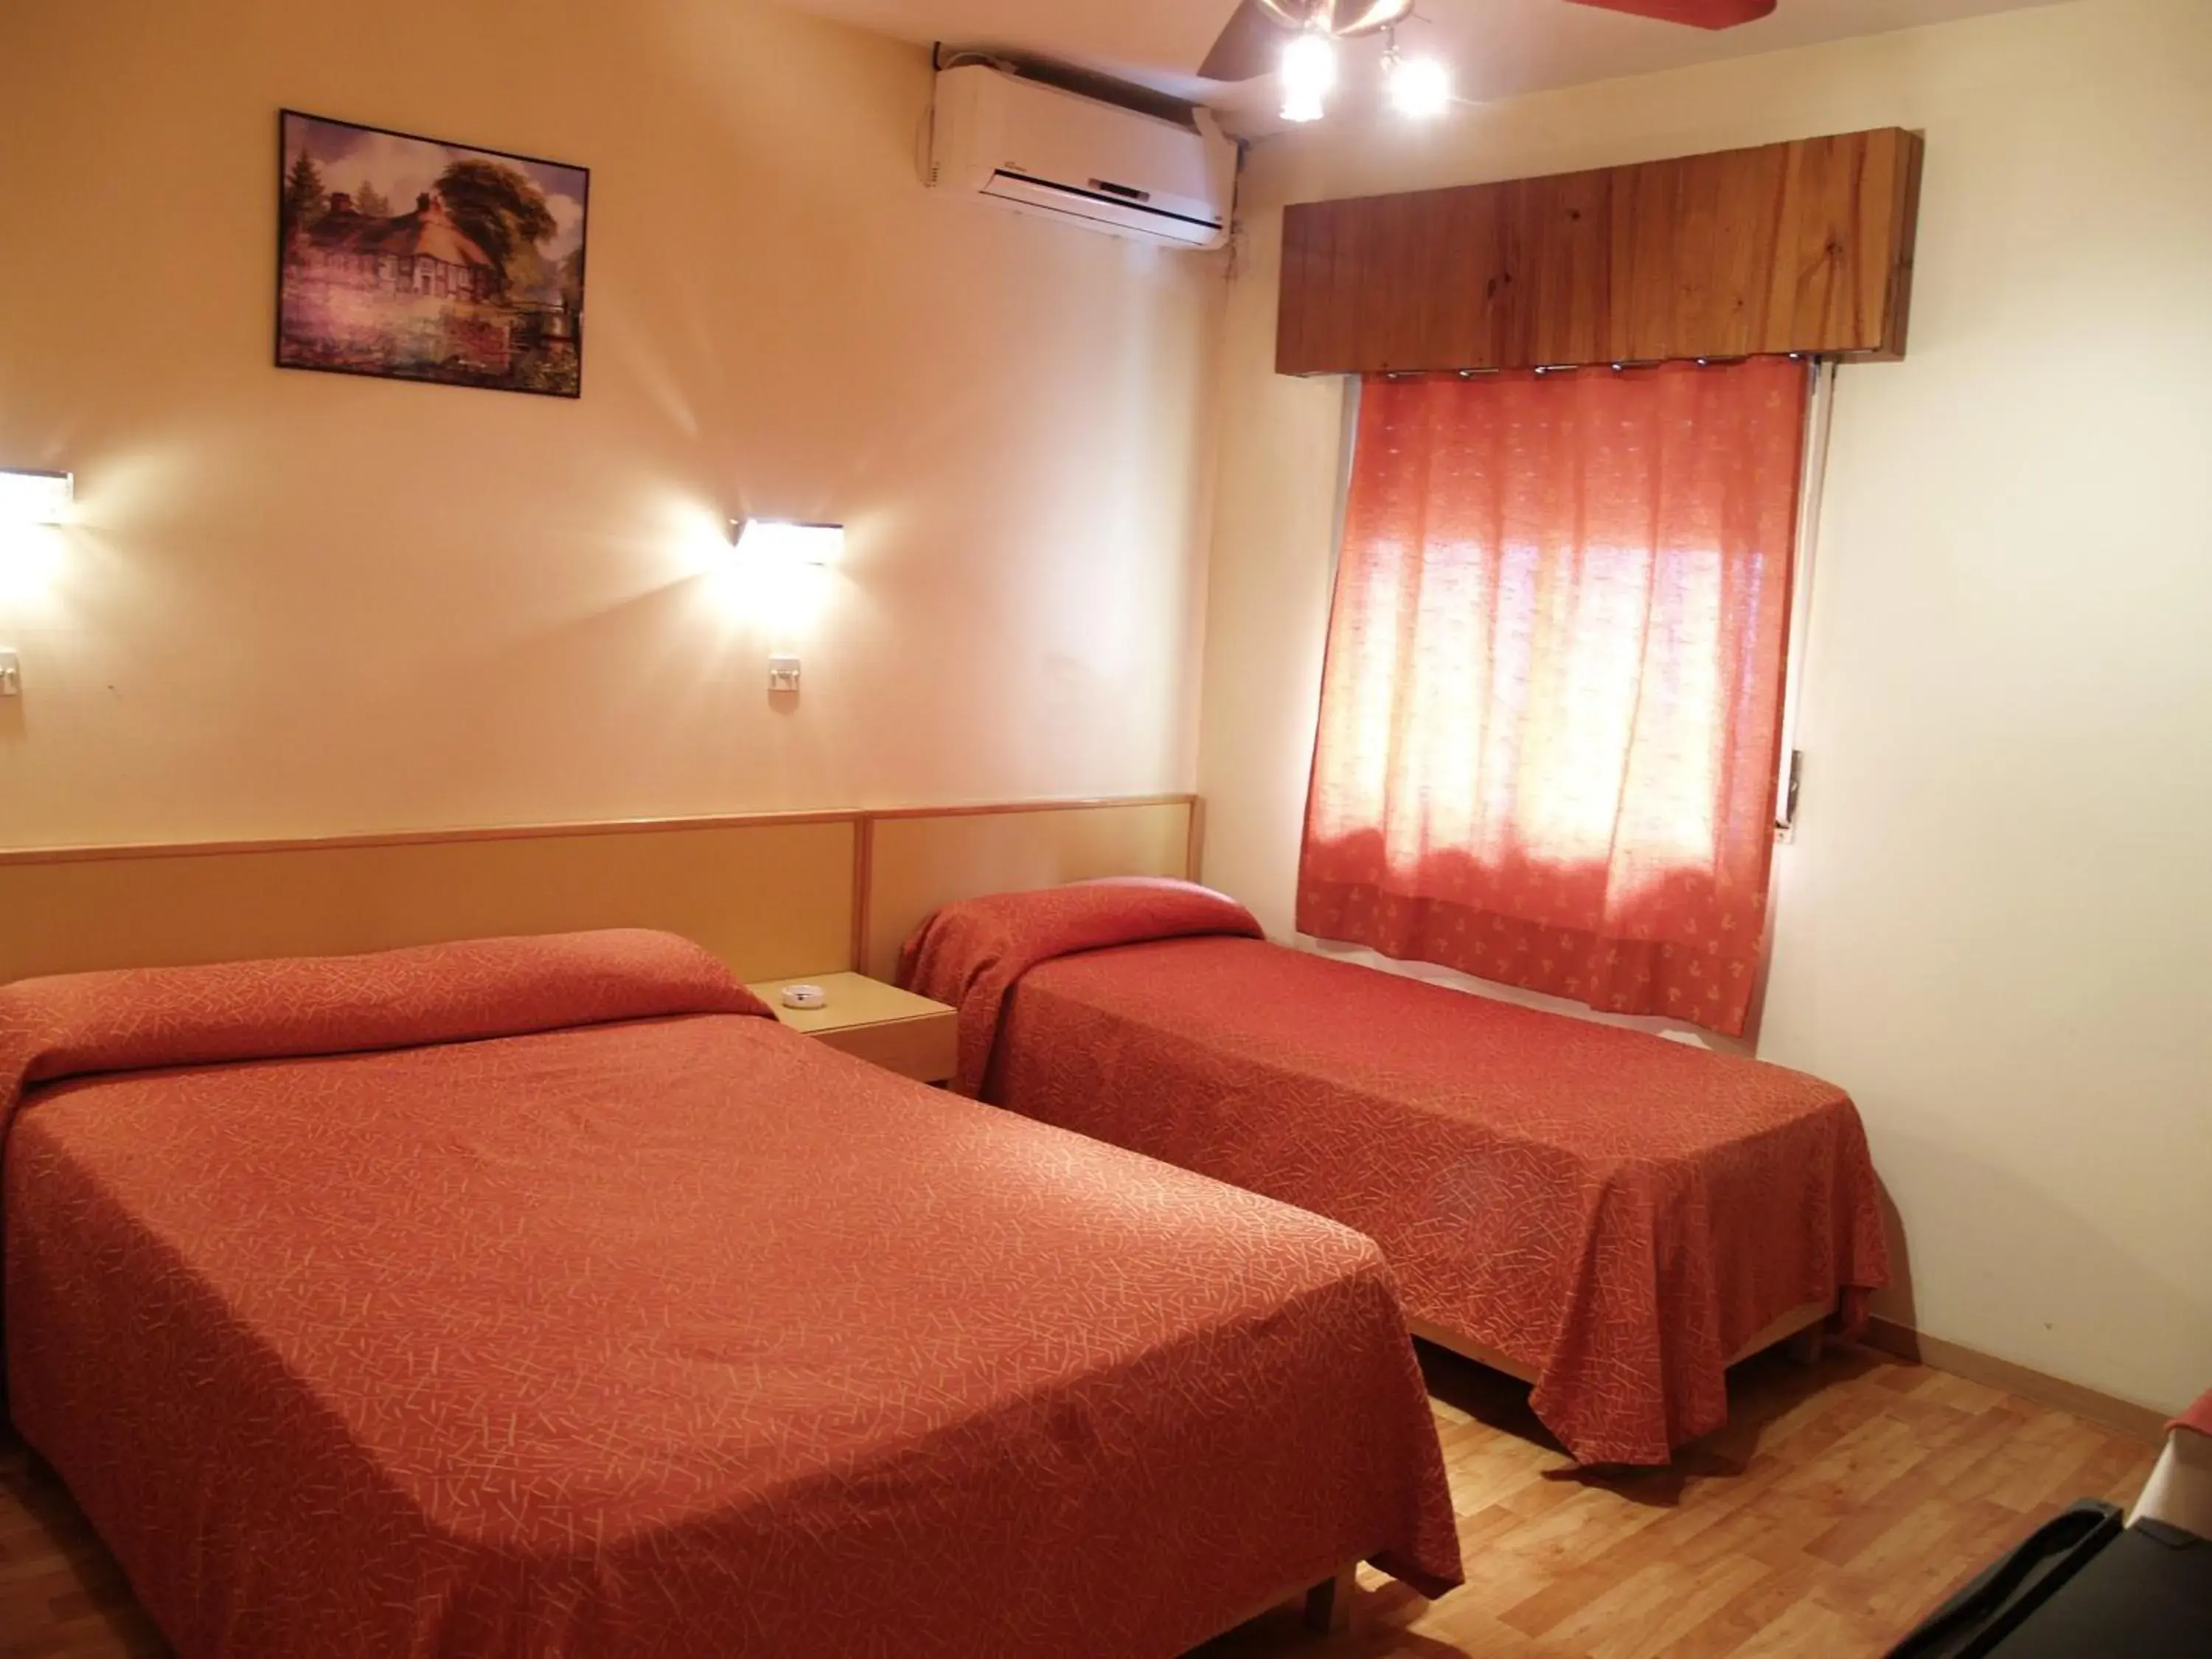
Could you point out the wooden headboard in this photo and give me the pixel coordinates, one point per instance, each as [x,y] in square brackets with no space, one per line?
[774,895]
[917,861]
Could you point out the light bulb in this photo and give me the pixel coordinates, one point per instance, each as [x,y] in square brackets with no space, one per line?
[784,541]
[1308,73]
[33,497]
[1419,88]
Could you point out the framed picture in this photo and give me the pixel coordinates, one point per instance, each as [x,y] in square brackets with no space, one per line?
[418,260]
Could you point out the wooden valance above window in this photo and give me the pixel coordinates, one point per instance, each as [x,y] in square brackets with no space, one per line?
[1803,247]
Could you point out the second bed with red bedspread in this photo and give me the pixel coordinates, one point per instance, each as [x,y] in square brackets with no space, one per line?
[1618,1213]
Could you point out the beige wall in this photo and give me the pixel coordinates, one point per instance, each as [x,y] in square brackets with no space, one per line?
[298,603]
[1994,924]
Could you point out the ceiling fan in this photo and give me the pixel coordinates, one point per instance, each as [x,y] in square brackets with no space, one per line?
[1299,37]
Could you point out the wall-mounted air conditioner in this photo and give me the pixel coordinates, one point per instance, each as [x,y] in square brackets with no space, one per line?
[1038,150]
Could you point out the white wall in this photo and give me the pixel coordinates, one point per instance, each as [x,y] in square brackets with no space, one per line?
[297,603]
[1994,926]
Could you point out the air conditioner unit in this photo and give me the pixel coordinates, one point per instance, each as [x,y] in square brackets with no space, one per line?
[1038,150]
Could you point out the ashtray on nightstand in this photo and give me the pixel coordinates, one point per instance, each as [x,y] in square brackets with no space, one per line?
[872,1021]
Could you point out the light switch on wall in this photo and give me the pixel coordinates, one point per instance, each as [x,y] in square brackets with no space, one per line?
[783,673]
[11,675]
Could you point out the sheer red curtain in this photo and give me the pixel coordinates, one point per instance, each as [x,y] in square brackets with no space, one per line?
[1552,709]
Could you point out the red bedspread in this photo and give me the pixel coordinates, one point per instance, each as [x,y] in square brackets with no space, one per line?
[677,1336]
[1615,1212]
[970,955]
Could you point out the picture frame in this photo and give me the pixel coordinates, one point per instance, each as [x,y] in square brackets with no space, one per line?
[405,257]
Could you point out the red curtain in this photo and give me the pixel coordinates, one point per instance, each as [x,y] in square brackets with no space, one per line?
[1550,714]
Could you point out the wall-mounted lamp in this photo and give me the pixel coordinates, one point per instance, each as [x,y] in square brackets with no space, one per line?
[783,540]
[35,497]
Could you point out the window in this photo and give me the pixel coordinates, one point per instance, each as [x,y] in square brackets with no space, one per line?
[1550,714]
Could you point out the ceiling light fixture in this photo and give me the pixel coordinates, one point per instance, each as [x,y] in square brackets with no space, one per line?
[1420,88]
[1308,73]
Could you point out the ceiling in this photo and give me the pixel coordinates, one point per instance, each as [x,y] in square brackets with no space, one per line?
[1497,48]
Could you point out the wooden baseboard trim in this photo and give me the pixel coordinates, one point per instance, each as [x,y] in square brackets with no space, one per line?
[2124,1416]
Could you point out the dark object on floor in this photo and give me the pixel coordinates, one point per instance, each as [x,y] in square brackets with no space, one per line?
[2083,1584]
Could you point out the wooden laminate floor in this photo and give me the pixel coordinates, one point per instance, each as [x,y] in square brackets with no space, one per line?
[1841,1503]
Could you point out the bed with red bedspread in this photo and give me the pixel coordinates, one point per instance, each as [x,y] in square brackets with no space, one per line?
[538,1298]
[1617,1214]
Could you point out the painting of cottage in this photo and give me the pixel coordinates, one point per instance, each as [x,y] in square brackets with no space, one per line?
[419,260]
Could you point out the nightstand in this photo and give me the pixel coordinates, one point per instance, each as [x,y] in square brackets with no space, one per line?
[875,1022]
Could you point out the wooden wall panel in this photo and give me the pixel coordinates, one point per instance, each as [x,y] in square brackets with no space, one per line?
[768,897]
[1805,247]
[775,895]
[919,863]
